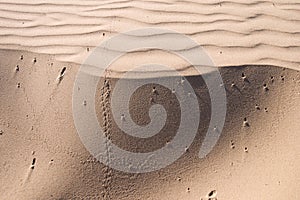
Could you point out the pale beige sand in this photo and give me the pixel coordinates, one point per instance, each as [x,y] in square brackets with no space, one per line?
[37,122]
[233,32]
[42,156]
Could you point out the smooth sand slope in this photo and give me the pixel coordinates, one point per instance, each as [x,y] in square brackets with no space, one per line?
[37,124]
[42,156]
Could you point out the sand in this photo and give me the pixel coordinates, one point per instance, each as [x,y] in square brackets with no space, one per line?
[42,156]
[233,32]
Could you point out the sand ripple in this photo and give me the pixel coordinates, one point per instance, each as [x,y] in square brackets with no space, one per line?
[255,32]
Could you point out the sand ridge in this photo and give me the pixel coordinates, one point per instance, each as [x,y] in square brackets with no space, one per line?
[255,32]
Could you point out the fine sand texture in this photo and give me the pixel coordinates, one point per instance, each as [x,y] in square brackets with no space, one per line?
[254,44]
[233,32]
[42,156]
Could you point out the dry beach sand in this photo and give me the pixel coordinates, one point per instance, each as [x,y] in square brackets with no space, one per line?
[255,44]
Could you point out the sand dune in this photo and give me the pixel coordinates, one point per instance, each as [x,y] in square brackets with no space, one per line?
[256,162]
[224,28]
[255,44]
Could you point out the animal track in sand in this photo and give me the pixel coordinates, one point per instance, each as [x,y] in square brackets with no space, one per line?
[212,195]
[265,87]
[61,75]
[246,123]
[17,68]
[33,163]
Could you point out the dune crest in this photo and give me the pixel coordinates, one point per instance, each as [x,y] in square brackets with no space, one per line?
[255,32]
